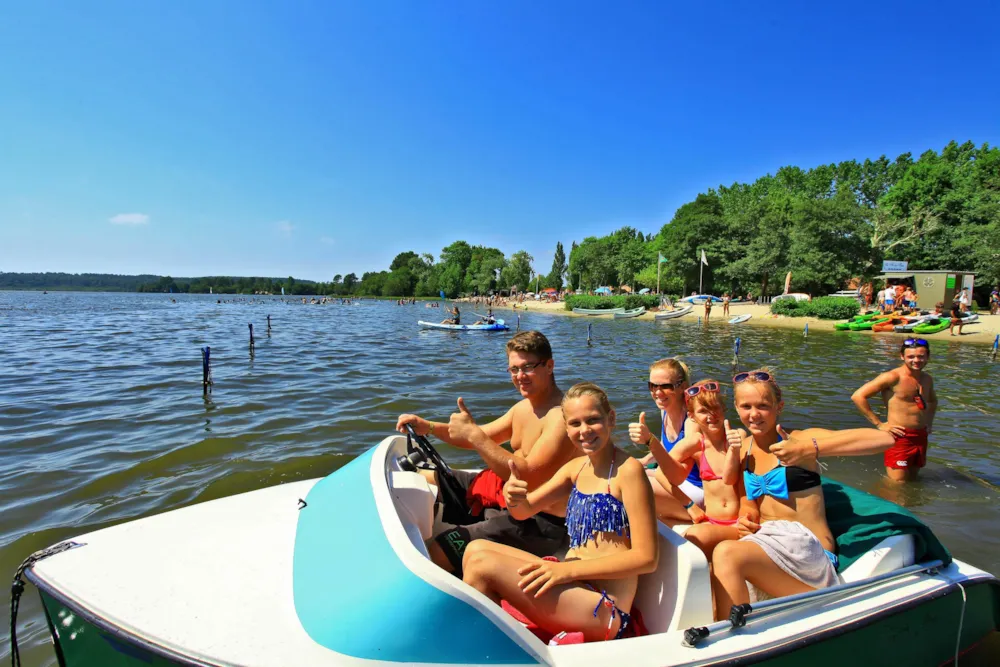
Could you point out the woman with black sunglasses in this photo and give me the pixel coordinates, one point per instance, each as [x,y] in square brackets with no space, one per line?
[668,378]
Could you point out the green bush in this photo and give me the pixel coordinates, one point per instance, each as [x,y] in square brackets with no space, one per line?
[824,307]
[628,301]
[834,307]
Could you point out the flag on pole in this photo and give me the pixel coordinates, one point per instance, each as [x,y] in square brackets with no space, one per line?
[662,258]
[704,260]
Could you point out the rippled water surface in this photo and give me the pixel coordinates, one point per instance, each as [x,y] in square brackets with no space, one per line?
[102,417]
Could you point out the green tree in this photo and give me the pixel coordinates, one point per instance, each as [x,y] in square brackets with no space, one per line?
[555,277]
[517,274]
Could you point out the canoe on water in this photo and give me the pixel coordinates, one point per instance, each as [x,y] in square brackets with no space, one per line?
[499,326]
[635,312]
[599,311]
[671,314]
[334,571]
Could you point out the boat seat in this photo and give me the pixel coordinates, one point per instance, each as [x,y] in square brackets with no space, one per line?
[678,594]
[892,553]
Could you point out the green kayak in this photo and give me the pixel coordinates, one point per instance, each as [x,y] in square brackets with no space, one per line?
[933,325]
[866,325]
[857,319]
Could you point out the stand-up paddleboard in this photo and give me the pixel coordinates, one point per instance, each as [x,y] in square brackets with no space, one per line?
[499,326]
[739,319]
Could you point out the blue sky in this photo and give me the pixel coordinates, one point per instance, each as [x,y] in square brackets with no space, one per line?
[314,138]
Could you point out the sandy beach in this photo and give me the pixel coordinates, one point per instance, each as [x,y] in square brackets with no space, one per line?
[982,332]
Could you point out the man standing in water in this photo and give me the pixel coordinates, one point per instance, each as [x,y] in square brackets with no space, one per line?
[537,435]
[908,393]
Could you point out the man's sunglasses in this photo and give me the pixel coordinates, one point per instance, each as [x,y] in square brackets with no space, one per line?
[691,392]
[666,386]
[916,342]
[760,376]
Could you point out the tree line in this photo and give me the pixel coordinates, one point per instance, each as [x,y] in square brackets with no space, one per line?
[826,225]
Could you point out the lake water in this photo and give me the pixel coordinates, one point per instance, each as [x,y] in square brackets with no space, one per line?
[103,420]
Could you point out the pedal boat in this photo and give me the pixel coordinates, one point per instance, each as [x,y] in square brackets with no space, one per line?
[334,571]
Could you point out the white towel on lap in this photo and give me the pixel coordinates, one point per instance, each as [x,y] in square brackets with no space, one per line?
[796,550]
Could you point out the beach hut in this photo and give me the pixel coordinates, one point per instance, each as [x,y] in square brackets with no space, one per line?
[932,286]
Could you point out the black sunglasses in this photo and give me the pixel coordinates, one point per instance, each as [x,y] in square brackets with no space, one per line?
[760,376]
[666,386]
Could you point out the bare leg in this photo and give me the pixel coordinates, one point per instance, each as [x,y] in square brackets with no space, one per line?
[902,474]
[735,563]
[668,508]
[492,570]
[706,536]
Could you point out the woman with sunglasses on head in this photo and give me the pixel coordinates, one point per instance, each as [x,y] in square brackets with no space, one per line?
[715,450]
[668,378]
[786,547]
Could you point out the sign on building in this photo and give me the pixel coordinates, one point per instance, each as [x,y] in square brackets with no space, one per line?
[888,265]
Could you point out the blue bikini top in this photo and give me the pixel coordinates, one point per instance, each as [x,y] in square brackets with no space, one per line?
[694,475]
[779,481]
[588,514]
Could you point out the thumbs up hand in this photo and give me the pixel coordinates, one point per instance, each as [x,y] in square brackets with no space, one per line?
[638,432]
[734,437]
[462,427]
[515,490]
[792,450]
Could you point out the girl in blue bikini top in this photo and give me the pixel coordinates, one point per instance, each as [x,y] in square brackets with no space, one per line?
[612,530]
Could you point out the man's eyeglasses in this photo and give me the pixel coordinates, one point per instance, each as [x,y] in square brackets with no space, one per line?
[916,342]
[666,386]
[527,369]
[760,376]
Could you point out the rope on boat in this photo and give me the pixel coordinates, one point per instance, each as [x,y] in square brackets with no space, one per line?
[961,620]
[17,588]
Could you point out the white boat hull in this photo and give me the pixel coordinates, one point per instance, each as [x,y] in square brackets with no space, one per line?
[254,580]
[671,314]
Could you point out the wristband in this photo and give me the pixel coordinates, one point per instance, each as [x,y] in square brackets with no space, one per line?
[689,505]
[816,445]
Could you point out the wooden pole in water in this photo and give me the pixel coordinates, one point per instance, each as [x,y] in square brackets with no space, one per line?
[206,369]
[588,333]
[518,321]
[251,338]
[268,324]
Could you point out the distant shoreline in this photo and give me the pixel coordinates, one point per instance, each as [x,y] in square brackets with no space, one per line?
[982,332]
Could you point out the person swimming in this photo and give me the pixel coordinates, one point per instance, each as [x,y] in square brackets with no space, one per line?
[611,522]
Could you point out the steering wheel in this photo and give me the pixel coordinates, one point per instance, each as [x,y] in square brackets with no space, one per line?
[451,490]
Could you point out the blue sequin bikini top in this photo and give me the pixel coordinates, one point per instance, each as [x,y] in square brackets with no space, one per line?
[588,514]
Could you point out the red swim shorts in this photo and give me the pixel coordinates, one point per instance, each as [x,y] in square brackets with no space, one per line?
[909,450]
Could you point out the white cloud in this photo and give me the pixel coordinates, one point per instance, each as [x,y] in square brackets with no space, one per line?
[129,219]
[285,227]
[326,240]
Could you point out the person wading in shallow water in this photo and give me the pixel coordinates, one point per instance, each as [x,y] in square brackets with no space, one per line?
[537,435]
[908,394]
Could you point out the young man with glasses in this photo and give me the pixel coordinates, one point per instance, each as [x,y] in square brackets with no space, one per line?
[908,394]
[535,429]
